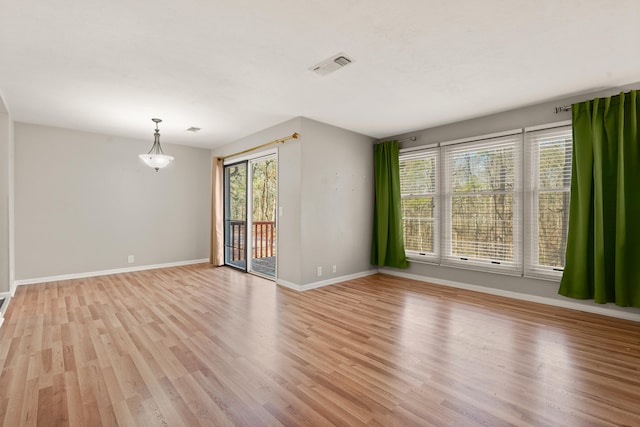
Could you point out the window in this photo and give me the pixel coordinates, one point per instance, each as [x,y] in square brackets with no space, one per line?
[463,204]
[549,179]
[418,188]
[481,201]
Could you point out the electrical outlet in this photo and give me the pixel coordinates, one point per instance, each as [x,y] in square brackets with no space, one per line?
[335,268]
[131,259]
[319,271]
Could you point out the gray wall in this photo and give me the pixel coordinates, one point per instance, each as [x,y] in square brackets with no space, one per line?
[337,201]
[524,117]
[6,199]
[84,202]
[325,187]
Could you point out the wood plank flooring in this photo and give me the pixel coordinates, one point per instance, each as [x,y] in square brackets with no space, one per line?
[203,346]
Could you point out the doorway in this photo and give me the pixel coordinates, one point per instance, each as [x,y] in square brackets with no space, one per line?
[250,215]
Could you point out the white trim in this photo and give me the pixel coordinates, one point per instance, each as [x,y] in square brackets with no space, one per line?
[418,259]
[322,283]
[277,215]
[12,288]
[5,304]
[483,137]
[106,272]
[507,269]
[516,295]
[335,280]
[548,126]
[538,274]
[289,285]
[419,148]
[248,217]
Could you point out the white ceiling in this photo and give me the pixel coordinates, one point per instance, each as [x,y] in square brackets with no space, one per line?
[236,67]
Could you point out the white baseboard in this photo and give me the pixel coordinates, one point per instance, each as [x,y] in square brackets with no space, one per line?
[327,282]
[5,304]
[289,285]
[104,272]
[516,295]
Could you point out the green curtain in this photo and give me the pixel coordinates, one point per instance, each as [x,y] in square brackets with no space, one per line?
[388,241]
[603,244]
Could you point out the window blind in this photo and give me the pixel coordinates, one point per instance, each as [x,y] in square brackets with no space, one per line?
[482,211]
[419,192]
[547,183]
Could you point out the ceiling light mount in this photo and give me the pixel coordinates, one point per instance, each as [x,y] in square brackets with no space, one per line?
[156,158]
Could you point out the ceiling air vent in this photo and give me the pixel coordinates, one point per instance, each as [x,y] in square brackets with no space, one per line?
[193,129]
[331,64]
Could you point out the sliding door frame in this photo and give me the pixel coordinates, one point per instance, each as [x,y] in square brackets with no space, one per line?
[227,220]
[248,159]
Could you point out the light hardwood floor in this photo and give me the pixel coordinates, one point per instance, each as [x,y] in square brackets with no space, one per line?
[196,345]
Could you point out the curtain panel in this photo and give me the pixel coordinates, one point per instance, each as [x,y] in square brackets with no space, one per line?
[603,243]
[388,241]
[216,256]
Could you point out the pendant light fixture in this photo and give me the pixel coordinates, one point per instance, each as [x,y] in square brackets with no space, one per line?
[156,158]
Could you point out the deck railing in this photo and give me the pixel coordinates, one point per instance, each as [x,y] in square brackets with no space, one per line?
[264,236]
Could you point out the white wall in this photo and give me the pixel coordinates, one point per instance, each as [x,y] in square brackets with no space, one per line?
[524,117]
[84,202]
[325,185]
[6,199]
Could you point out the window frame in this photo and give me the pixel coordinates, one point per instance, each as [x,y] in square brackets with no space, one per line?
[525,214]
[533,136]
[426,152]
[513,267]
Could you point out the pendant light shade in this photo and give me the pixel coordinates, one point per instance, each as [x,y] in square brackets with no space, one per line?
[156,158]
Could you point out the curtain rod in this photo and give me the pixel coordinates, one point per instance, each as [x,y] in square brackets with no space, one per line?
[411,138]
[613,92]
[295,135]
[562,109]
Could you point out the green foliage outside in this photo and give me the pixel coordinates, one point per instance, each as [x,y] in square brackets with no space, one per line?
[264,190]
[236,186]
[264,187]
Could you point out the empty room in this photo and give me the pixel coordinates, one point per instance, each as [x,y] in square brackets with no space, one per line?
[336,213]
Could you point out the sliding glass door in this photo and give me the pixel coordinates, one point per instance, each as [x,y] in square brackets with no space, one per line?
[250,239]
